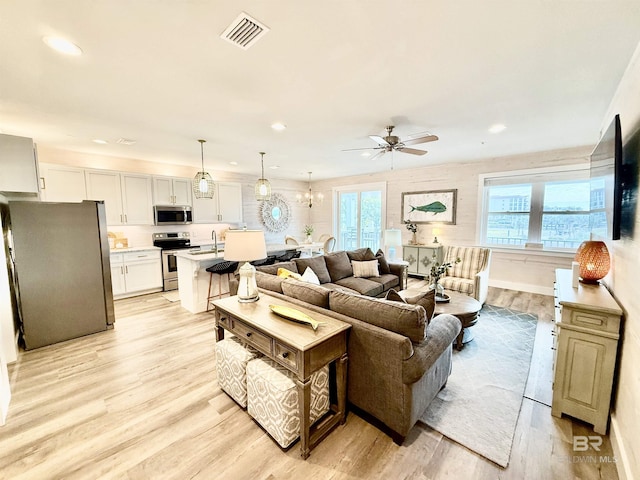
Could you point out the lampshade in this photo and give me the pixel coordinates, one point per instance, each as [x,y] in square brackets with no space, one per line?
[263,187]
[245,245]
[203,186]
[593,257]
[392,237]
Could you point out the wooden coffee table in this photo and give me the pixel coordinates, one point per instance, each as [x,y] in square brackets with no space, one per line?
[462,306]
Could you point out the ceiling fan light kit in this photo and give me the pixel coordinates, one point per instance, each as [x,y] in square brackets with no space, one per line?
[263,187]
[203,186]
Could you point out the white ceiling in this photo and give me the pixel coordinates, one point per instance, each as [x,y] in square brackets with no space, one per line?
[334,71]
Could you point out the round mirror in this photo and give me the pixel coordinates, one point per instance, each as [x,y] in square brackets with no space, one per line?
[275,213]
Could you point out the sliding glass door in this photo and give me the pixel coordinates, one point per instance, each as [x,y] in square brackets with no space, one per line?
[359,215]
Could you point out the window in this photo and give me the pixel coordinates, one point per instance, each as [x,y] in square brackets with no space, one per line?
[359,215]
[549,209]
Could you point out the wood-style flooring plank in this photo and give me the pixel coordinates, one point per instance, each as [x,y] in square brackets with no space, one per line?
[142,402]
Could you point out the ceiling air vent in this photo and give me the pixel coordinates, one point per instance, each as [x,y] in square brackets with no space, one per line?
[244,31]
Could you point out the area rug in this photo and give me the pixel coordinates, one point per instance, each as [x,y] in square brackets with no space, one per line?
[480,405]
[172,296]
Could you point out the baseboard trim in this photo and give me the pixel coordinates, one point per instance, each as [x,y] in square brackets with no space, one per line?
[522,287]
[619,451]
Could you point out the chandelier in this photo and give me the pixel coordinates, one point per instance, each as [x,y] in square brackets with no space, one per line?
[203,186]
[263,187]
[308,198]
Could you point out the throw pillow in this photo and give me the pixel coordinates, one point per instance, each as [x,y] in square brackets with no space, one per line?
[427,300]
[284,273]
[384,265]
[407,320]
[339,265]
[365,269]
[307,292]
[318,266]
[361,254]
[273,269]
[309,276]
[269,282]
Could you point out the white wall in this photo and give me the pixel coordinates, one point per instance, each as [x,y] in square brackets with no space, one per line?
[519,270]
[625,419]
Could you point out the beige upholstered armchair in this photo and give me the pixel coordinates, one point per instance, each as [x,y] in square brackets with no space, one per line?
[471,275]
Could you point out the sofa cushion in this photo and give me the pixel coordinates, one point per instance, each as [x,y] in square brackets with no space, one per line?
[387,281]
[269,282]
[339,265]
[361,254]
[462,285]
[318,266]
[307,292]
[384,265]
[363,286]
[273,269]
[426,299]
[365,269]
[405,319]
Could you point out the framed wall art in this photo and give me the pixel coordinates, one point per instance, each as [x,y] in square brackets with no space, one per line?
[432,206]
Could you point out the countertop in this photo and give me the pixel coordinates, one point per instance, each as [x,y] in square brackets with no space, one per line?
[133,249]
[205,257]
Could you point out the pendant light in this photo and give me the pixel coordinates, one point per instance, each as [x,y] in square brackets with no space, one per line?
[263,187]
[308,197]
[203,186]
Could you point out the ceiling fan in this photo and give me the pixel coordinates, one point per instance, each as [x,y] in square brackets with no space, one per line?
[393,142]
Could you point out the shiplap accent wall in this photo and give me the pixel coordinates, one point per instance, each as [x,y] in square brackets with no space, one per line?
[625,418]
[528,271]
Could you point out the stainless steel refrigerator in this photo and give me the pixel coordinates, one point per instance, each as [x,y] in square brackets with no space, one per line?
[62,274]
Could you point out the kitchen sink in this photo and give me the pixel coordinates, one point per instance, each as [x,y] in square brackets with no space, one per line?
[205,252]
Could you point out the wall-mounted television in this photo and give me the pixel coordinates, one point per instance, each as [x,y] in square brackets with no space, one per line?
[627,179]
[606,191]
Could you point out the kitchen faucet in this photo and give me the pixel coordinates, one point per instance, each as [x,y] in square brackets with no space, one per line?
[214,237]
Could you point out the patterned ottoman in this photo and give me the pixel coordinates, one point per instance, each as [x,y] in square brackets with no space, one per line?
[273,398]
[231,363]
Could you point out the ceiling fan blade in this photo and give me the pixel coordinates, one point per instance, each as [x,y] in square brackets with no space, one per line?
[412,151]
[379,154]
[379,140]
[425,139]
[366,148]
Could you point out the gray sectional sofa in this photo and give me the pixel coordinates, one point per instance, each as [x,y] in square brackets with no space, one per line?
[399,357]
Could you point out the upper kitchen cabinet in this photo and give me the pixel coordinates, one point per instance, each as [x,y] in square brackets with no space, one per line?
[18,164]
[171,191]
[224,207]
[59,183]
[127,196]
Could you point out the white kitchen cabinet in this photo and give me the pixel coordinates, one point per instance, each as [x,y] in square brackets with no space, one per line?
[587,330]
[171,191]
[136,273]
[421,258]
[18,164]
[60,183]
[224,207]
[127,196]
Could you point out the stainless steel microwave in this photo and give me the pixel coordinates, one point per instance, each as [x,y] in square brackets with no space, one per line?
[172,214]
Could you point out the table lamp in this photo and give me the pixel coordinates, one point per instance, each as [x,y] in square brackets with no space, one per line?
[392,239]
[593,257]
[245,246]
[436,232]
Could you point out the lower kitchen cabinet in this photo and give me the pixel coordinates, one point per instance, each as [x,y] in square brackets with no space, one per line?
[136,273]
[586,330]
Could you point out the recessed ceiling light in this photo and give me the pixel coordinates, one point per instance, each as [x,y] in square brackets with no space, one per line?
[497,128]
[233,163]
[62,45]
[366,154]
[278,126]
[100,141]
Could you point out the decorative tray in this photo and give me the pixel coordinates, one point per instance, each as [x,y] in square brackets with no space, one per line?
[294,315]
[444,298]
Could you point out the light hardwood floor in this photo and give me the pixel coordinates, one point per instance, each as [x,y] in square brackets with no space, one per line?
[141,401]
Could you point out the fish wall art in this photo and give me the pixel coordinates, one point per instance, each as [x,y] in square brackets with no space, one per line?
[433,206]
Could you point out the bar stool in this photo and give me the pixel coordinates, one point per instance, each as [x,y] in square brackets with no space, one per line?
[223,267]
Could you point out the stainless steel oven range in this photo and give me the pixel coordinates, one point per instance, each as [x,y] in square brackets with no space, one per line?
[171,243]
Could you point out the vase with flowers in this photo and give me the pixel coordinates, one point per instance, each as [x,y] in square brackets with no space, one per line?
[437,271]
[413,228]
[308,231]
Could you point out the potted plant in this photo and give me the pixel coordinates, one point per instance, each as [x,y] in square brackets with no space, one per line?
[437,271]
[413,228]
[308,231]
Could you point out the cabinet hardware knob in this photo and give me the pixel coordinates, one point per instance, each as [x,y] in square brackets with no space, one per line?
[285,354]
[248,334]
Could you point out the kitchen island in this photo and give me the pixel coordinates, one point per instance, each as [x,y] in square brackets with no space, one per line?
[193,278]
